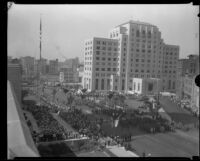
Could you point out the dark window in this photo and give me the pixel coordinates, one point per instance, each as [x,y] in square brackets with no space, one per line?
[150,87]
[96,84]
[102,84]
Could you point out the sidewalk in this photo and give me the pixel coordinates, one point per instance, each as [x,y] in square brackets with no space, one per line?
[121,151]
[66,126]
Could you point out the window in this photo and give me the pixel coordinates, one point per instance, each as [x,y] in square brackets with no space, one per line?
[97,58]
[103,58]
[97,69]
[150,87]
[97,52]
[138,86]
[103,48]
[102,69]
[109,59]
[108,84]
[108,69]
[149,34]
[98,47]
[96,84]
[138,33]
[98,42]
[114,59]
[137,60]
[123,84]
[114,69]
[102,84]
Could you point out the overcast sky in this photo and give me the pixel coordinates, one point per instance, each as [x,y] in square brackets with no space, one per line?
[65,27]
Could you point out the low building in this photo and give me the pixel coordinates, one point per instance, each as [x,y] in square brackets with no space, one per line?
[68,74]
[52,79]
[146,86]
[14,75]
[53,66]
[191,91]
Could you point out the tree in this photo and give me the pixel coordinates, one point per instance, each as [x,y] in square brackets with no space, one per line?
[65,90]
[70,99]
[54,93]
[24,93]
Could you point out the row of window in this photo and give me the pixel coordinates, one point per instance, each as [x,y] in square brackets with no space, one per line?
[104,48]
[109,54]
[106,43]
[109,64]
[88,43]
[88,48]
[88,58]
[171,53]
[108,69]
[109,59]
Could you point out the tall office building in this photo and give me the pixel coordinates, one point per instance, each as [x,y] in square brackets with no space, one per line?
[134,50]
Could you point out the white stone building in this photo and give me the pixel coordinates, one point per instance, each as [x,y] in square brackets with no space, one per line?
[133,50]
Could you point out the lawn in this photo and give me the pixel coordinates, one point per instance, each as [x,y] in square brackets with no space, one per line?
[166,145]
[121,131]
[176,113]
[133,103]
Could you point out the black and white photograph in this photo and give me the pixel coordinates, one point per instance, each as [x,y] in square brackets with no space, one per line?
[102,80]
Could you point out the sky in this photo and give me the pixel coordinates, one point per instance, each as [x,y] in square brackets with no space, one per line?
[65,27]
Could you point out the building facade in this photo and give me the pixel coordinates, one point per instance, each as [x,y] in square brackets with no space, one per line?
[68,74]
[187,69]
[146,86]
[100,62]
[139,52]
[27,67]
[53,66]
[191,91]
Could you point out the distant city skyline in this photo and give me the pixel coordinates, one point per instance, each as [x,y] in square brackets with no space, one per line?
[65,27]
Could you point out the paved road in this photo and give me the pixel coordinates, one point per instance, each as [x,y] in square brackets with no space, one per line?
[166,145]
[176,113]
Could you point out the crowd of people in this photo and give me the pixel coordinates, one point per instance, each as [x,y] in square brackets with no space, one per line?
[185,104]
[50,129]
[81,123]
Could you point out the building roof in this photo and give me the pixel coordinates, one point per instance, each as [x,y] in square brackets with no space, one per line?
[20,142]
[136,22]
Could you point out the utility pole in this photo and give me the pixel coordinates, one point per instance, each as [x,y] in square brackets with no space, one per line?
[40,60]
